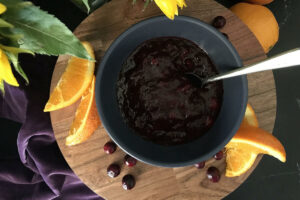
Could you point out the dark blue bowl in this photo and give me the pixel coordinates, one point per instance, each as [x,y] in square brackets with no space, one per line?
[224,57]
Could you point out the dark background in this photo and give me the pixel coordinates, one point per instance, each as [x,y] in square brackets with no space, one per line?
[271,179]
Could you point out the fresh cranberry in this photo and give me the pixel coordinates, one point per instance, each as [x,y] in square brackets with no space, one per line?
[113,170]
[219,155]
[129,161]
[213,174]
[110,147]
[219,22]
[200,165]
[128,182]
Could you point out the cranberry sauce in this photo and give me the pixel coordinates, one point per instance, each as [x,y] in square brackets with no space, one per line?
[155,98]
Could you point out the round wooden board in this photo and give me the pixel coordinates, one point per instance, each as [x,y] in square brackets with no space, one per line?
[88,159]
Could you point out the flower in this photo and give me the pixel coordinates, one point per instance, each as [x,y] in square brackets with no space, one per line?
[169,7]
[5,70]
[181,3]
[2,8]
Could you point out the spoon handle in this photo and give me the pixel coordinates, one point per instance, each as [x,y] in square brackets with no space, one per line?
[286,59]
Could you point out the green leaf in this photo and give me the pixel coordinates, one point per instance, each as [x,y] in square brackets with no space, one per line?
[13,57]
[43,33]
[6,32]
[82,4]
[10,2]
[2,87]
[86,3]
[4,23]
[133,2]
[10,39]
[15,3]
[16,50]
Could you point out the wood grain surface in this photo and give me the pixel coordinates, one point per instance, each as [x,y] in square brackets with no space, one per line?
[88,159]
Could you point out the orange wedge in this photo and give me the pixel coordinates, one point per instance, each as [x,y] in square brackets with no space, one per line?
[74,81]
[244,147]
[86,119]
[249,118]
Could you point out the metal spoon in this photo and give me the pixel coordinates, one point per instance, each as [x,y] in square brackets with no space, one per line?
[286,59]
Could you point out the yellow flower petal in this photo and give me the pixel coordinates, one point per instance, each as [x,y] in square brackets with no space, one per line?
[2,8]
[175,9]
[168,7]
[5,70]
[181,3]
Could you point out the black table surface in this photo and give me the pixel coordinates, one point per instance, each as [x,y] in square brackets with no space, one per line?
[271,179]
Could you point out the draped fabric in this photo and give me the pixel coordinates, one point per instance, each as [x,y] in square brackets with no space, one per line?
[40,172]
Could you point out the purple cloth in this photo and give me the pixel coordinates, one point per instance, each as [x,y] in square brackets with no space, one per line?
[40,172]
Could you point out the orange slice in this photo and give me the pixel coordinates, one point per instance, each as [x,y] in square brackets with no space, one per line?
[260,2]
[74,81]
[245,157]
[86,119]
[249,118]
[261,21]
[244,147]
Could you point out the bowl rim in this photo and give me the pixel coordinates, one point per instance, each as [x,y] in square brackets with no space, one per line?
[105,121]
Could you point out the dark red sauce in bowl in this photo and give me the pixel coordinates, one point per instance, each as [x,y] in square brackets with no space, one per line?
[155,98]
